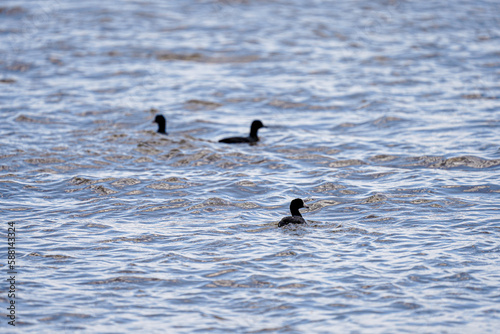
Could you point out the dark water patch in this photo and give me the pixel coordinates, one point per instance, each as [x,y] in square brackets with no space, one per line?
[300,151]
[101,190]
[475,96]
[166,186]
[55,257]
[200,105]
[455,162]
[169,204]
[130,280]
[375,199]
[141,239]
[143,160]
[183,57]
[125,182]
[94,225]
[202,258]
[19,67]
[346,163]
[212,204]
[383,158]
[323,203]
[16,10]
[81,181]
[43,161]
[383,121]
[220,273]
[198,57]
[328,186]
[406,306]
[282,104]
[466,161]
[28,119]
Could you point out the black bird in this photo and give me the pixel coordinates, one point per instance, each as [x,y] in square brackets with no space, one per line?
[296,217]
[162,124]
[252,138]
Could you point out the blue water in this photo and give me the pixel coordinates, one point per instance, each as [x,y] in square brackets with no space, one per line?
[384,116]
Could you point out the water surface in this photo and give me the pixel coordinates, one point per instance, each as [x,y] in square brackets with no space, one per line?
[382,115]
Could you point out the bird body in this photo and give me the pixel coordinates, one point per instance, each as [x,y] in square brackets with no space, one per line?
[291,220]
[238,140]
[252,138]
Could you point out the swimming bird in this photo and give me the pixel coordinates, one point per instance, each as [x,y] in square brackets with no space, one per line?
[252,138]
[162,124]
[296,217]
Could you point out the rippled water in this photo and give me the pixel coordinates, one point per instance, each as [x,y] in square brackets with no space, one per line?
[383,116]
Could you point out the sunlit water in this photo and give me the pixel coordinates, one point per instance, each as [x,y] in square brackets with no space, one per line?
[383,116]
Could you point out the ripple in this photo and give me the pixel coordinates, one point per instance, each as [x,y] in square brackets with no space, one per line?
[467,161]
[101,190]
[375,198]
[125,182]
[55,257]
[346,163]
[44,161]
[197,57]
[374,118]
[200,104]
[128,279]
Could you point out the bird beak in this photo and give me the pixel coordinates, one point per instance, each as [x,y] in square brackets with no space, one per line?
[306,207]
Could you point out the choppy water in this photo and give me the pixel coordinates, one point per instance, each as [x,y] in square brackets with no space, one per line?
[383,115]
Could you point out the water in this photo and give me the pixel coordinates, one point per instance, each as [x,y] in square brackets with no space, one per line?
[383,116]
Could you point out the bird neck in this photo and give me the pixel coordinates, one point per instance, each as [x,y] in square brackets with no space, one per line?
[162,127]
[295,212]
[253,133]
